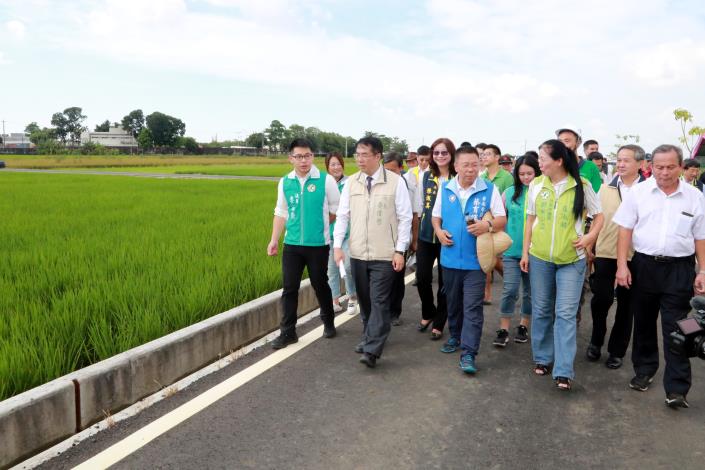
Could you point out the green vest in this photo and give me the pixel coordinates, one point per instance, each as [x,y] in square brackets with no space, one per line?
[305,225]
[554,230]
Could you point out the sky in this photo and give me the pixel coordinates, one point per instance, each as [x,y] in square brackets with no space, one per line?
[508,72]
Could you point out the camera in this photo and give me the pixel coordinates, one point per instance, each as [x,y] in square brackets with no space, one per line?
[689,340]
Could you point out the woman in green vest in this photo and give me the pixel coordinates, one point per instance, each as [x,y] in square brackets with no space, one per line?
[335,166]
[525,170]
[553,254]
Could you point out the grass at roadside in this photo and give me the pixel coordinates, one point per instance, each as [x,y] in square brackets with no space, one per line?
[92,266]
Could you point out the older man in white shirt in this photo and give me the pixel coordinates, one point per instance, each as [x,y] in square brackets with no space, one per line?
[375,204]
[664,219]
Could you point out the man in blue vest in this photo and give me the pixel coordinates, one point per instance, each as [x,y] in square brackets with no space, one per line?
[457,221]
[307,199]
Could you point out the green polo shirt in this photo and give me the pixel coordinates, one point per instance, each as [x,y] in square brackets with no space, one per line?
[503,179]
[590,172]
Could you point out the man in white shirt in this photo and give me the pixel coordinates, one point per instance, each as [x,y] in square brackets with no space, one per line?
[306,203]
[375,204]
[664,219]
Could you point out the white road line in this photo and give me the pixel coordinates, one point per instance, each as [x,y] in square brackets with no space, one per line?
[145,435]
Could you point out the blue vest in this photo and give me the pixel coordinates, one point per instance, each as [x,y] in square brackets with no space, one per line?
[463,253]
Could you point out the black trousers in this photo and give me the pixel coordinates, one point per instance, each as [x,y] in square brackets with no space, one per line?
[398,291]
[294,259]
[602,283]
[374,281]
[426,254]
[668,288]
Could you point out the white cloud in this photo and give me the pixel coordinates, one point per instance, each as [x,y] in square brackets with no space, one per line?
[16,28]
[3,60]
[671,63]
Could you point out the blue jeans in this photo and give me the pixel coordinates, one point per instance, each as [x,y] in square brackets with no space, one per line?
[464,293]
[555,295]
[513,277]
[334,273]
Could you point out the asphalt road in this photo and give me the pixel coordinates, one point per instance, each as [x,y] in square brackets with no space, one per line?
[322,409]
[189,176]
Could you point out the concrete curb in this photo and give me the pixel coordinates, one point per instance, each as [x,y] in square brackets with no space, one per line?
[38,418]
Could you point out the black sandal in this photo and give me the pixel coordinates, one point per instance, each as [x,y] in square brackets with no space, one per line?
[435,336]
[421,327]
[541,369]
[564,384]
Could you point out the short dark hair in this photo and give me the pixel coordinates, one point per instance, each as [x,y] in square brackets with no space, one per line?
[465,144]
[595,156]
[533,153]
[393,157]
[590,142]
[300,142]
[424,150]
[494,149]
[481,146]
[691,163]
[373,142]
[466,149]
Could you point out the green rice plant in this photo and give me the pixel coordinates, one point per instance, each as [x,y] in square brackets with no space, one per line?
[94,265]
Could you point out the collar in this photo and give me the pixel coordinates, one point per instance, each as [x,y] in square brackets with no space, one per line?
[313,174]
[654,186]
[477,186]
[381,173]
[618,179]
[545,182]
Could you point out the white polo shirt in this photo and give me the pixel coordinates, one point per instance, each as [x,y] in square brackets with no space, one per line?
[663,225]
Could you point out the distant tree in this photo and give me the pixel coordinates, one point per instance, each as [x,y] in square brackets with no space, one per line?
[133,122]
[295,130]
[144,139]
[277,135]
[104,127]
[69,124]
[164,129]
[258,140]
[683,116]
[624,140]
[31,127]
[189,144]
[390,143]
[38,135]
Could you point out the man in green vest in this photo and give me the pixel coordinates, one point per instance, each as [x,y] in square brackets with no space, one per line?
[307,199]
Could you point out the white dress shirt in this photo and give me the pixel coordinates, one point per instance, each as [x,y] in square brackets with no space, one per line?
[496,204]
[330,202]
[413,185]
[402,205]
[663,225]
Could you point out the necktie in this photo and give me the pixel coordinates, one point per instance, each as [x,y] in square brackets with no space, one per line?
[369,184]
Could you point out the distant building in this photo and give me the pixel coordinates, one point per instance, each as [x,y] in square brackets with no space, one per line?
[115,137]
[699,150]
[16,140]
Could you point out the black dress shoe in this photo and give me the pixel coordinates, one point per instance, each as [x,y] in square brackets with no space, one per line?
[329,331]
[358,348]
[593,353]
[613,362]
[676,400]
[284,341]
[370,360]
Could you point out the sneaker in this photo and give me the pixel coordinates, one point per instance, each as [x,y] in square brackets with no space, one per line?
[467,364]
[284,341]
[450,346]
[676,400]
[352,307]
[370,360]
[641,383]
[502,338]
[522,335]
[592,353]
[337,308]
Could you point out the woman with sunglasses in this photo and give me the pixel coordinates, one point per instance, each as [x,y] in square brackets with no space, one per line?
[441,169]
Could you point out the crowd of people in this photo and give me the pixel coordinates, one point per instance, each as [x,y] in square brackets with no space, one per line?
[545,222]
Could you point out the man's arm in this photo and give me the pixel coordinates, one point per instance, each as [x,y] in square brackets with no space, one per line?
[342,218]
[278,225]
[699,284]
[624,242]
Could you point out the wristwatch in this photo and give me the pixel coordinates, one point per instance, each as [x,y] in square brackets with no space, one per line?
[399,252]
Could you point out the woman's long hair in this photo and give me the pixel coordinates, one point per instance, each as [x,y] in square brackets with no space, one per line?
[528,160]
[557,151]
[435,171]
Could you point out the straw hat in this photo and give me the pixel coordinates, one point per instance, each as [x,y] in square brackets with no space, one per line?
[490,246]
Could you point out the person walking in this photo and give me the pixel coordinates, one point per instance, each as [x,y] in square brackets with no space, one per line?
[526,169]
[691,169]
[335,166]
[375,205]
[553,253]
[629,160]
[458,221]
[306,203]
[663,218]
[428,247]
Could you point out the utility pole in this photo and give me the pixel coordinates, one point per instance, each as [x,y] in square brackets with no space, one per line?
[3,133]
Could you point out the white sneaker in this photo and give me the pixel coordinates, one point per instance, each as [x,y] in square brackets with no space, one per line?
[337,308]
[352,307]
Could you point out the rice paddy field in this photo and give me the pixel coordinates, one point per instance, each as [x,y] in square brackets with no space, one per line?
[91,266]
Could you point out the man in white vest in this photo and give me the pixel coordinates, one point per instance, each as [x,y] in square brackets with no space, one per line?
[375,204]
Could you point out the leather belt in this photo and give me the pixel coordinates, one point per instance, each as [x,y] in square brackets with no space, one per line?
[667,259]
